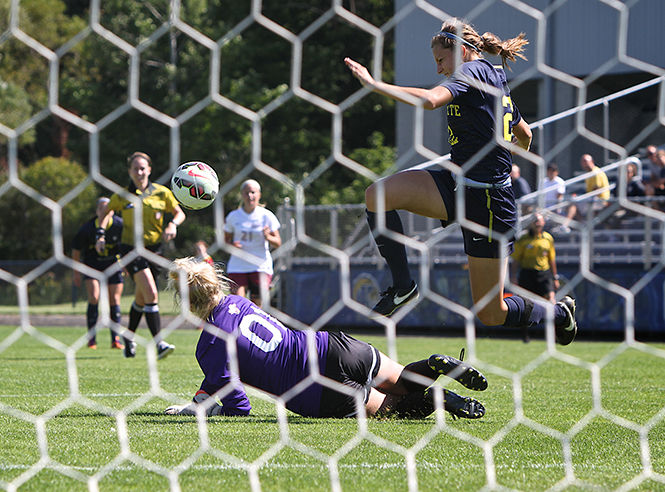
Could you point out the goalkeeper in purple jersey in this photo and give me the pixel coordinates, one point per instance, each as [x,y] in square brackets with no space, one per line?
[243,345]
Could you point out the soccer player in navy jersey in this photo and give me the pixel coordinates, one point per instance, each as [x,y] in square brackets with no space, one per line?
[472,93]
[84,248]
[242,344]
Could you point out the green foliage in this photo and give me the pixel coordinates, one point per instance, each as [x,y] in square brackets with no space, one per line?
[15,109]
[174,75]
[26,228]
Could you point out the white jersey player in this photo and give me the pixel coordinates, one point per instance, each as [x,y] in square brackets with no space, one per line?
[254,229]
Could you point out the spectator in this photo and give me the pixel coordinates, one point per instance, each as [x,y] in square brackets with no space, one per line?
[553,186]
[201,249]
[598,183]
[658,177]
[84,244]
[254,229]
[654,168]
[520,185]
[634,185]
[157,201]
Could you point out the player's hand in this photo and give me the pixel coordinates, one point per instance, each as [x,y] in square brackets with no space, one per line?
[199,400]
[267,233]
[77,278]
[237,244]
[170,232]
[189,409]
[360,72]
[100,245]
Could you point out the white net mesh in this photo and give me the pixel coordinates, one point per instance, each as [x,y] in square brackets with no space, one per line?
[343,243]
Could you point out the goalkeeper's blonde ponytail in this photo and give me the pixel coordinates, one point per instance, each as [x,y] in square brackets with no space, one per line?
[206,283]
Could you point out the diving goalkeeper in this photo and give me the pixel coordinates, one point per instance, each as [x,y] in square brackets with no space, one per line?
[274,359]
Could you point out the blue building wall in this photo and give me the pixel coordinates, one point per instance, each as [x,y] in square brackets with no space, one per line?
[311,291]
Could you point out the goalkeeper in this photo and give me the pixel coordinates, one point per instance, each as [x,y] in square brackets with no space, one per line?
[274,359]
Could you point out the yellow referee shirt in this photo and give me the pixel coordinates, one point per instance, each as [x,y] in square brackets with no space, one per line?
[157,201]
[535,252]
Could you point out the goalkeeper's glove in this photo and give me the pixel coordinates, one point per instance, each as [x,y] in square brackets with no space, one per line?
[190,409]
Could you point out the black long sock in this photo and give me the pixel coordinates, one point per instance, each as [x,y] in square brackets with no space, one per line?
[392,251]
[116,317]
[153,319]
[415,405]
[524,312]
[135,314]
[91,316]
[421,368]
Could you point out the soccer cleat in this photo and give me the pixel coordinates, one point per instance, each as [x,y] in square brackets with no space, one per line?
[92,345]
[115,344]
[391,299]
[164,349]
[463,407]
[566,332]
[130,348]
[466,375]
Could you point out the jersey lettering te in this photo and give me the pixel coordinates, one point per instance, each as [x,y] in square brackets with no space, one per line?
[472,120]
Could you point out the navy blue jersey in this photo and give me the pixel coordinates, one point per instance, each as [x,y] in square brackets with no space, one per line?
[270,357]
[472,120]
[86,237]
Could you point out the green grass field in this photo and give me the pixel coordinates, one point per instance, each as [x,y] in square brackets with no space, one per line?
[166,306]
[83,438]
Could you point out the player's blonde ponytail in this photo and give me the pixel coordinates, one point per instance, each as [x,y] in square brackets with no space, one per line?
[207,284]
[510,49]
[455,31]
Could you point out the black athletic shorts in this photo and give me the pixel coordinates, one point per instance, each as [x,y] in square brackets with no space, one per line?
[116,278]
[352,363]
[493,208]
[140,263]
[539,282]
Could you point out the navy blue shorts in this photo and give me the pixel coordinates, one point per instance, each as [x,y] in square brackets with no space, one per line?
[493,208]
[116,278]
[352,363]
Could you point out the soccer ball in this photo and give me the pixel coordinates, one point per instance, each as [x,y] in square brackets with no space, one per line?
[195,185]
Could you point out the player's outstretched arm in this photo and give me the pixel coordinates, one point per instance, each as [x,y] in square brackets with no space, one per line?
[431,98]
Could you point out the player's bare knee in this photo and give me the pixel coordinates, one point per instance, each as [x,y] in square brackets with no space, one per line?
[370,197]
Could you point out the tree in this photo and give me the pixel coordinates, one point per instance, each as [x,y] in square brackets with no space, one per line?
[26,230]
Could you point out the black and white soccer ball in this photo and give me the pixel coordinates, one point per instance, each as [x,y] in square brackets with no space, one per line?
[195,185]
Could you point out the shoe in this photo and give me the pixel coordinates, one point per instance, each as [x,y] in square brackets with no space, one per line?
[164,349]
[466,375]
[566,332]
[115,344]
[130,348]
[92,345]
[391,300]
[463,407]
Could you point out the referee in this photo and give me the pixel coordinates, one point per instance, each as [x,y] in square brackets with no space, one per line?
[535,257]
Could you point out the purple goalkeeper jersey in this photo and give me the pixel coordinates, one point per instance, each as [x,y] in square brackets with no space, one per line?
[270,357]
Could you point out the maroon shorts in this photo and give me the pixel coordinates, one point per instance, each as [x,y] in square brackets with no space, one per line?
[251,281]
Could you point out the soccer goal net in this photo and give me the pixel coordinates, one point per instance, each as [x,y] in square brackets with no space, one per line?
[258,89]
